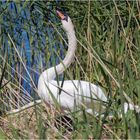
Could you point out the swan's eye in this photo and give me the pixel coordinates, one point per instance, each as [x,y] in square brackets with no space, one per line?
[62,16]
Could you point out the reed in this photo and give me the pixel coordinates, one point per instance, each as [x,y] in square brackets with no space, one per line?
[108,53]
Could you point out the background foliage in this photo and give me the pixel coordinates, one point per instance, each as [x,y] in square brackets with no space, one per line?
[108,52]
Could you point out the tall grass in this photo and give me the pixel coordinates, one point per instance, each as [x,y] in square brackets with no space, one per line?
[108,51]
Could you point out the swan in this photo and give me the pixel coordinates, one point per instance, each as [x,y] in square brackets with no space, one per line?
[69,93]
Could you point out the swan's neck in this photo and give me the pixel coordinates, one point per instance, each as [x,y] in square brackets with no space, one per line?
[51,73]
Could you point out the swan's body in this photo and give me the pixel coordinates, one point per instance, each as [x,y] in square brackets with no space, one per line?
[71,92]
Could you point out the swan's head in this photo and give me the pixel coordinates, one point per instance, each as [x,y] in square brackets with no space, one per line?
[65,19]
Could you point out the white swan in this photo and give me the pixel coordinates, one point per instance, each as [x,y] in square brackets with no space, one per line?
[68,93]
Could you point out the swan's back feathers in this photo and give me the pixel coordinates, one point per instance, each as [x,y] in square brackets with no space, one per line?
[71,92]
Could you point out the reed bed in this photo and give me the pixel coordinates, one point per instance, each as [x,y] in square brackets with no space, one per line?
[108,52]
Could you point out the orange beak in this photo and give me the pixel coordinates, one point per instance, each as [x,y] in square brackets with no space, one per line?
[60,15]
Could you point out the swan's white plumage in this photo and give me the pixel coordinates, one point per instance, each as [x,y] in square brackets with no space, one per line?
[71,90]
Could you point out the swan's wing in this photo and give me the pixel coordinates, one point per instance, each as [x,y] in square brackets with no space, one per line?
[77,91]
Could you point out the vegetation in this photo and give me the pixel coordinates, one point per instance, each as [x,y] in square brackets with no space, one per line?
[108,53]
